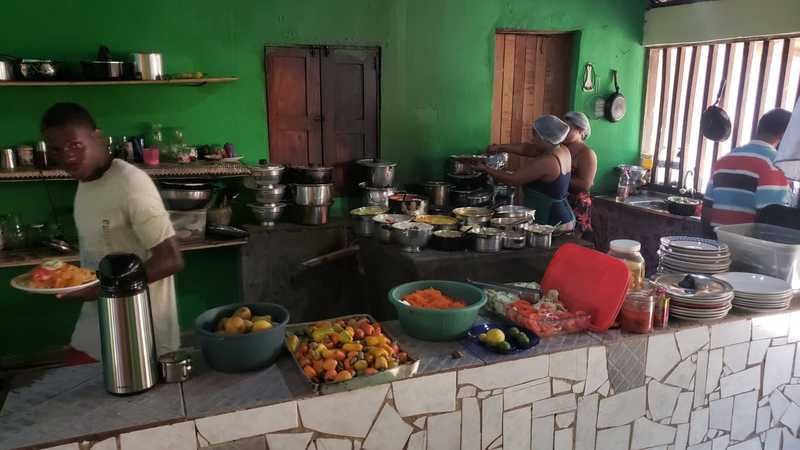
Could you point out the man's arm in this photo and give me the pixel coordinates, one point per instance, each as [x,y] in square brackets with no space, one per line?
[165,260]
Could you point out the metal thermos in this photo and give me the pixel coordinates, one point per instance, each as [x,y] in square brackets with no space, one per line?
[130,363]
[148,66]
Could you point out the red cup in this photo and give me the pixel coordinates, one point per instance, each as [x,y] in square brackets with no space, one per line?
[151,156]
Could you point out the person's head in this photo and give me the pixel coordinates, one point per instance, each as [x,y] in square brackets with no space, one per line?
[550,130]
[772,125]
[579,127]
[74,140]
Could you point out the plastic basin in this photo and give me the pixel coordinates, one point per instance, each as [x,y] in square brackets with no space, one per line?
[241,353]
[438,324]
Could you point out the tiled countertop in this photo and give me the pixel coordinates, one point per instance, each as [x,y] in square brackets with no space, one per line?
[65,404]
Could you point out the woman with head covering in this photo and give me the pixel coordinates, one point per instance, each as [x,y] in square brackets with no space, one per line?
[544,178]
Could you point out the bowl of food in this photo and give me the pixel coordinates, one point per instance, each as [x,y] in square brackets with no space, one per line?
[437,310]
[439,222]
[242,337]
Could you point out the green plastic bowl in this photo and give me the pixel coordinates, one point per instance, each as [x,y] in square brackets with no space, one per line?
[438,324]
[242,352]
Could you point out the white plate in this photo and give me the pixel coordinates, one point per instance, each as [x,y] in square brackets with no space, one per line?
[232,159]
[695,259]
[693,244]
[696,266]
[753,283]
[695,253]
[700,312]
[21,282]
[758,310]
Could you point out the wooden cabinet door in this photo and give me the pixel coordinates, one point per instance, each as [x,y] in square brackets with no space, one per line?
[350,111]
[293,106]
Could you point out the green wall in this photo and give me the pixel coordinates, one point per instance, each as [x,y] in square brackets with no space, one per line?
[436,88]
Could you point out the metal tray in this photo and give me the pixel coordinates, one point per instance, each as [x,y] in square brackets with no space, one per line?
[402,371]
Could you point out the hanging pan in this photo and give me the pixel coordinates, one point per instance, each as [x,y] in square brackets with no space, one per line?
[615,106]
[714,122]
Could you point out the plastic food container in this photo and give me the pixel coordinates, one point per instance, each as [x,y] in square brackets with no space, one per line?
[765,249]
[544,323]
[189,225]
[637,312]
[628,251]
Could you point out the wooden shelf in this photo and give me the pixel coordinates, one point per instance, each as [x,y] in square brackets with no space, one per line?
[181,82]
[166,170]
[32,257]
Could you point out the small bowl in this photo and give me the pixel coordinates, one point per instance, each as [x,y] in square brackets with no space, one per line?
[412,236]
[267,214]
[682,206]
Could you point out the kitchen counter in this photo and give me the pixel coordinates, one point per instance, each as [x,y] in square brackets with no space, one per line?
[584,381]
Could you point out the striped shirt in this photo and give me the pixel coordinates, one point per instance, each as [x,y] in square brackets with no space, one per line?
[744,181]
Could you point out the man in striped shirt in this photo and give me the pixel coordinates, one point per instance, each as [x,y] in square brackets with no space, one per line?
[746,180]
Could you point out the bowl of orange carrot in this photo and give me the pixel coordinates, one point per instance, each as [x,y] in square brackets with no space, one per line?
[437,310]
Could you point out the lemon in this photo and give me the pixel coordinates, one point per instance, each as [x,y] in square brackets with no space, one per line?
[482,337]
[495,336]
[261,325]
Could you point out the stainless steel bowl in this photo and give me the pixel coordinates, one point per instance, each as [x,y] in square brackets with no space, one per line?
[515,212]
[479,198]
[267,214]
[312,194]
[185,199]
[376,196]
[473,216]
[379,173]
[363,225]
[267,175]
[269,194]
[383,225]
[412,236]
[438,192]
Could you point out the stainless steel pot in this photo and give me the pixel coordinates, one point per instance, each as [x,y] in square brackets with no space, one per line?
[38,69]
[147,66]
[267,214]
[8,159]
[514,240]
[269,194]
[312,194]
[363,225]
[486,240]
[313,174]
[383,225]
[515,212]
[379,173]
[414,205]
[6,70]
[185,199]
[376,196]
[473,216]
[175,367]
[266,175]
[539,236]
[311,215]
[509,223]
[479,198]
[438,192]
[411,236]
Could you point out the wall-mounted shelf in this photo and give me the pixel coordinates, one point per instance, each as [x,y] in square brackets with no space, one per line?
[180,82]
[166,170]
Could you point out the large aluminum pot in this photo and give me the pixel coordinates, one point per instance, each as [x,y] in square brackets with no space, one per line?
[376,196]
[363,225]
[312,174]
[6,70]
[379,173]
[539,236]
[383,225]
[412,236]
[414,205]
[147,66]
[473,216]
[486,240]
[312,194]
[438,192]
[266,175]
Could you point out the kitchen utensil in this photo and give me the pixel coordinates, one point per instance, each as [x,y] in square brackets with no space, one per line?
[175,367]
[243,352]
[457,164]
[383,225]
[439,222]
[227,231]
[459,198]
[311,215]
[714,122]
[530,294]
[126,329]
[411,236]
[410,204]
[448,240]
[58,245]
[363,225]
[312,194]
[6,69]
[539,236]
[373,196]
[615,105]
[185,199]
[37,69]
[514,239]
[438,192]
[379,173]
[269,194]
[8,159]
[267,214]
[479,198]
[486,240]
[312,174]
[266,175]
[472,215]
[104,68]
[682,206]
[497,160]
[147,66]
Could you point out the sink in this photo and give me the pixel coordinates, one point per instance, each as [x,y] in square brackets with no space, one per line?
[660,205]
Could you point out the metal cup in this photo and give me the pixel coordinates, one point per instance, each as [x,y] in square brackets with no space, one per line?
[8,159]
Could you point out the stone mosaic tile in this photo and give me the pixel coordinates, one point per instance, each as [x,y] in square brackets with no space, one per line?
[626,362]
[180,436]
[249,422]
[389,432]
[773,439]
[289,441]
[543,429]
[517,429]
[614,438]
[555,405]
[491,419]
[729,333]
[622,408]
[721,414]
[107,444]
[744,415]
[791,418]
[793,392]
[647,434]
[789,441]
[586,422]
[334,444]
[720,443]
[418,441]
[698,426]
[563,439]
[253,443]
[762,419]
[777,368]
[470,424]
[569,365]
[466,391]
[662,355]
[682,436]
[743,381]
[444,431]
[362,407]
[691,340]
[561,386]
[683,408]
[565,420]
[527,393]
[771,326]
[433,356]
[778,404]
[736,356]
[597,370]
[506,374]
[701,379]
[426,395]
[661,399]
[714,370]
[682,375]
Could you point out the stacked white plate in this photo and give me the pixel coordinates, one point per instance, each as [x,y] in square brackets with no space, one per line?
[758,293]
[686,254]
[707,299]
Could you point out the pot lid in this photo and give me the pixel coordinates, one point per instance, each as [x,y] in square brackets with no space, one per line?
[391,218]
[465,176]
[472,212]
[313,168]
[693,286]
[485,231]
[367,211]
[375,163]
[413,226]
[390,190]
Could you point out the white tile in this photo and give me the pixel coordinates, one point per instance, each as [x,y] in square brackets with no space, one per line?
[662,355]
[362,407]
[334,444]
[721,443]
[777,368]
[72,446]
[470,424]
[497,391]
[420,423]
[586,422]
[773,439]
[467,391]
[554,405]
[778,404]
[750,444]
[491,419]
[605,389]
[389,432]
[757,351]
[712,434]
[517,429]
[728,333]
[682,436]
[106,444]
[565,420]
[698,426]
[505,374]
[683,408]
[789,441]
[614,438]
[794,327]
[791,418]
[793,392]
[700,379]
[661,399]
[736,356]
[691,340]
[288,441]
[770,326]
[622,408]
[744,415]
[777,342]
[647,433]
[543,429]
[746,380]
[682,375]
[444,431]
[795,380]
[570,365]
[578,387]
[250,422]
[597,372]
[563,439]
[703,446]
[418,441]
[762,419]
[529,394]
[796,372]
[714,396]
[180,436]
[425,395]
[721,414]
[560,386]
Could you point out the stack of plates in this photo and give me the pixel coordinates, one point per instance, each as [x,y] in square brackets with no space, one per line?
[685,254]
[758,293]
[708,299]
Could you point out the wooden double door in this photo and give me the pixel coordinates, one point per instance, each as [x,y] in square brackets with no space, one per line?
[322,107]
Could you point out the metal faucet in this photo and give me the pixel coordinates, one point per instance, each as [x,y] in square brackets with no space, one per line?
[683,190]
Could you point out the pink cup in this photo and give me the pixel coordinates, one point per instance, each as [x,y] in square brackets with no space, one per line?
[150,156]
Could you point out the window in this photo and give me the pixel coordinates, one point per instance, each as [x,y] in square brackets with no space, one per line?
[683,81]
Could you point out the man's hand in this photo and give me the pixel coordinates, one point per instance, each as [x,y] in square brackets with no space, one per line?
[88,294]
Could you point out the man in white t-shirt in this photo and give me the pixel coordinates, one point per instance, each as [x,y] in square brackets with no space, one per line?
[117,210]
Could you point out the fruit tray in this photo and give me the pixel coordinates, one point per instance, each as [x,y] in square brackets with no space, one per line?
[403,370]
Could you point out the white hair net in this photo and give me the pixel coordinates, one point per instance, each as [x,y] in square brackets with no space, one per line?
[579,120]
[551,129]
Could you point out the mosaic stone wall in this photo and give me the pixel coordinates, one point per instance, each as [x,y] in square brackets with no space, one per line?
[733,385]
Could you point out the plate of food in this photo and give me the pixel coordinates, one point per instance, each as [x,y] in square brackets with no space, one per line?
[55,277]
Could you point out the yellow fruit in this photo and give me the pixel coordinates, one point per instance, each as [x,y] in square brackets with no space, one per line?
[262,325]
[235,325]
[376,340]
[381,363]
[495,336]
[482,337]
[360,365]
[243,312]
[221,324]
[268,318]
[292,342]
[248,326]
[352,347]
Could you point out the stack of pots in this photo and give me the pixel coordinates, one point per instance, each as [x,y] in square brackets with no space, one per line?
[264,182]
[379,181]
[312,194]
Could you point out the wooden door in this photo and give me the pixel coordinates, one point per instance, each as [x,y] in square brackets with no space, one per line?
[350,111]
[293,106]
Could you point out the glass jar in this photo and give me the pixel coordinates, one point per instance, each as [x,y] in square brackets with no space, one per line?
[155,137]
[37,233]
[629,252]
[13,233]
[637,312]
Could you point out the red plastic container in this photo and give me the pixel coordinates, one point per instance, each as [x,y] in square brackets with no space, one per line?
[588,281]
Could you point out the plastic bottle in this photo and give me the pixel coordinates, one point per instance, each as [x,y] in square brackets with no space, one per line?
[624,186]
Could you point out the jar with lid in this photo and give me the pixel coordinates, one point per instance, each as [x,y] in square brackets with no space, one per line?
[638,311]
[629,252]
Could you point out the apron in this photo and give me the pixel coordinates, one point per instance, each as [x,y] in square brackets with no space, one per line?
[545,207]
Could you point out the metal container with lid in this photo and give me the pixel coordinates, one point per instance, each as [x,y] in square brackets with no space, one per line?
[438,192]
[266,174]
[312,194]
[412,236]
[8,159]
[383,225]
[147,66]
[175,367]
[127,339]
[363,225]
[312,174]
[473,215]
[486,239]
[378,173]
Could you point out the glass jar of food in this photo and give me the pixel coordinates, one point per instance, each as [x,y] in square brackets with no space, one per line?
[637,312]
[629,252]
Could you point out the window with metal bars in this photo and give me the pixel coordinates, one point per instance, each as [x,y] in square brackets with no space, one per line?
[682,81]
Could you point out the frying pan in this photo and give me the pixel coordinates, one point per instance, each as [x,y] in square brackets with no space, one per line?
[714,122]
[615,106]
